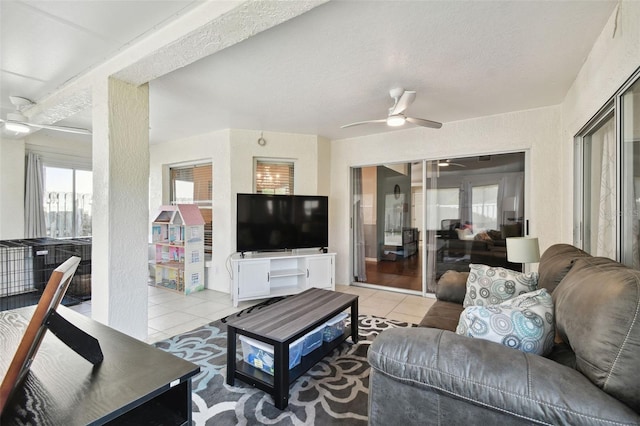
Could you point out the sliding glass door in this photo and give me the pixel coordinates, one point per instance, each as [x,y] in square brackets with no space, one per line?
[387,215]
[607,163]
[630,132]
[414,221]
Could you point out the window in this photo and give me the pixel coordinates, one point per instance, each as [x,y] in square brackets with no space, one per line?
[273,177]
[484,206]
[599,188]
[67,202]
[607,159]
[194,185]
[446,205]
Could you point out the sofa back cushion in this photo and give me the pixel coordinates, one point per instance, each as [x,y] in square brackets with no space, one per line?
[452,286]
[598,315]
[555,263]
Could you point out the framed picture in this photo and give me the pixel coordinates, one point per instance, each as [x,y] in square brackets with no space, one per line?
[51,298]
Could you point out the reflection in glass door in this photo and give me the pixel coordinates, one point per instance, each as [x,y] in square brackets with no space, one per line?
[452,214]
[386,222]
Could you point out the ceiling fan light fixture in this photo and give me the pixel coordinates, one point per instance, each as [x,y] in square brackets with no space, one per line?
[16,127]
[396,120]
[443,164]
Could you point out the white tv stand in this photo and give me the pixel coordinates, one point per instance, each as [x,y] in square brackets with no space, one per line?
[261,275]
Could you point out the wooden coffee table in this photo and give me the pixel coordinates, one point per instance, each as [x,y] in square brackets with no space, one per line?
[279,325]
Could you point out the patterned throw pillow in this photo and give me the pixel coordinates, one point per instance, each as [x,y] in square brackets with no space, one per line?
[488,285]
[525,322]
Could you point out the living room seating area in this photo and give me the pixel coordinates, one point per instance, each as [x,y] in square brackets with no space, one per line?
[430,375]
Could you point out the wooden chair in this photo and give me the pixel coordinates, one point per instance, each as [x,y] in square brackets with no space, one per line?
[51,298]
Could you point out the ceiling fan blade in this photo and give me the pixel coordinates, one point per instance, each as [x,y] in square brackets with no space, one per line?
[407,98]
[383,120]
[424,123]
[66,129]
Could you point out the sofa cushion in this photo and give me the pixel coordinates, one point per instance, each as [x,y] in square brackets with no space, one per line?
[452,286]
[488,285]
[555,263]
[442,315]
[598,316]
[524,322]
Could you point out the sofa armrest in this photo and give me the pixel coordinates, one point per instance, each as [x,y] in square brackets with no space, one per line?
[452,286]
[527,387]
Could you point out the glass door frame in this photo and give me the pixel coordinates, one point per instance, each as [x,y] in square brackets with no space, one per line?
[351,235]
[612,107]
[423,252]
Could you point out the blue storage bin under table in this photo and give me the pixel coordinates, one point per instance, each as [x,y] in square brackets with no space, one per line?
[334,328]
[260,354]
[312,340]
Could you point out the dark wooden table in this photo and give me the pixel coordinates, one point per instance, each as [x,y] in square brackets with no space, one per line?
[279,325]
[135,384]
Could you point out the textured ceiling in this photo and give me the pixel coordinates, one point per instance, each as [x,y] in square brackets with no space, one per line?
[330,66]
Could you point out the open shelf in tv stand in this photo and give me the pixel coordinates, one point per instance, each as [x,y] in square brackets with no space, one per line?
[271,274]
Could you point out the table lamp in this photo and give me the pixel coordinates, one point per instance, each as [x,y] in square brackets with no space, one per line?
[523,250]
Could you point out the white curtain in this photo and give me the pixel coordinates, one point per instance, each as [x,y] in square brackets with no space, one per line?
[465,206]
[431,231]
[359,265]
[604,196]
[510,191]
[34,224]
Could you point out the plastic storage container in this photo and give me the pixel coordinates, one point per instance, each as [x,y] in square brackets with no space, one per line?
[260,354]
[334,327]
[312,340]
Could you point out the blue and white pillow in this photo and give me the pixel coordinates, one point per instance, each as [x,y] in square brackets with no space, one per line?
[525,322]
[488,285]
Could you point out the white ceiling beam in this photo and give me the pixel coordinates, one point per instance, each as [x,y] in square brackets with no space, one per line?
[203,31]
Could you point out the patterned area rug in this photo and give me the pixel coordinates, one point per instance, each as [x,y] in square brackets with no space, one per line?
[334,391]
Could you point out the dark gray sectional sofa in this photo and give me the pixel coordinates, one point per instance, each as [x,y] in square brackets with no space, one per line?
[430,375]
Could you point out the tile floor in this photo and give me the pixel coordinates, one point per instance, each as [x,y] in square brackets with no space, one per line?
[172,313]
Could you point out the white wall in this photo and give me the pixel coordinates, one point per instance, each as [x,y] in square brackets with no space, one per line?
[12,166]
[231,153]
[536,131]
[301,149]
[614,57]
[62,150]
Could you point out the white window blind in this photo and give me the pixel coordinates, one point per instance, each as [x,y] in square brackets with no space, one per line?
[274,177]
[194,185]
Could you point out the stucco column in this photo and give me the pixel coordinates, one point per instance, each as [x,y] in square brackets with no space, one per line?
[120,205]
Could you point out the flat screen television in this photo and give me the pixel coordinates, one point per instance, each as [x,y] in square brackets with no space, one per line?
[281,222]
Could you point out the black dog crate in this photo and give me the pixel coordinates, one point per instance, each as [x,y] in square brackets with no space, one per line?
[80,286]
[27,264]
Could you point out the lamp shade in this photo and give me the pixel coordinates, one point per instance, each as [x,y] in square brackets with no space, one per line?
[523,250]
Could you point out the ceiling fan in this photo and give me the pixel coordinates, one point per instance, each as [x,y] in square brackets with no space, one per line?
[18,123]
[396,117]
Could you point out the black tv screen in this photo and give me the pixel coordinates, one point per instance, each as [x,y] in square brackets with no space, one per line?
[281,222]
